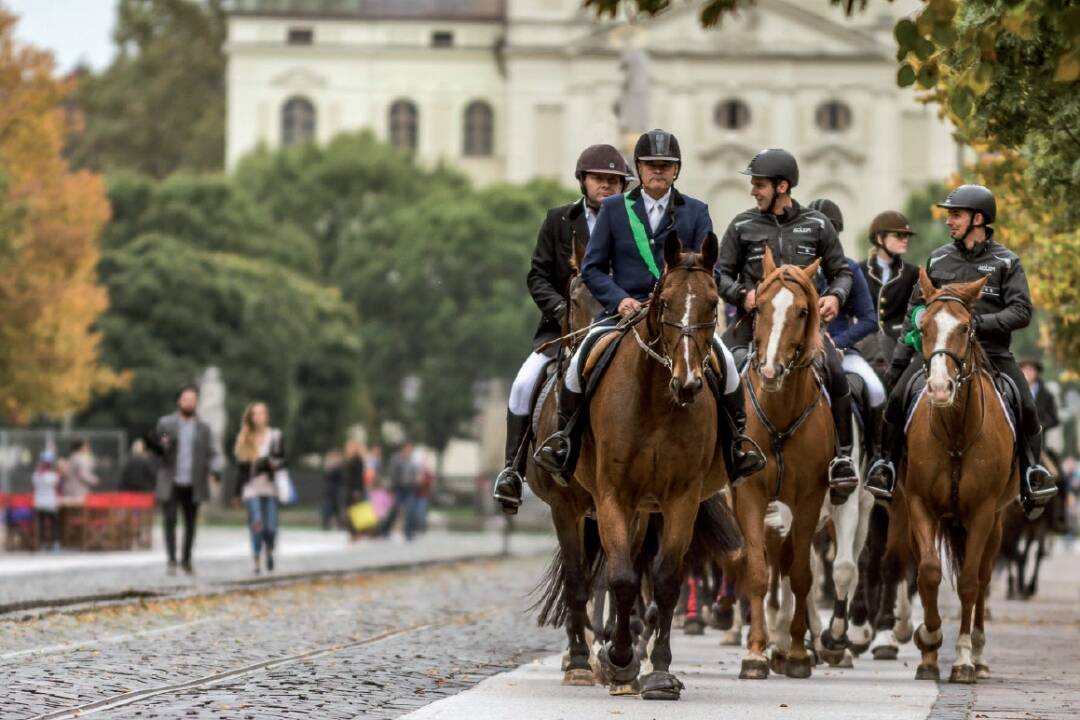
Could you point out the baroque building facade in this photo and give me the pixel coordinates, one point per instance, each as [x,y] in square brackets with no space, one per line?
[510,90]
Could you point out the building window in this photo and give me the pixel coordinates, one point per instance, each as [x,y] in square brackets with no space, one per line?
[301,36]
[442,38]
[479,129]
[731,114]
[833,116]
[297,121]
[403,125]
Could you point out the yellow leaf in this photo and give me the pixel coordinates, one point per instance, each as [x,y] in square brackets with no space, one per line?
[1068,68]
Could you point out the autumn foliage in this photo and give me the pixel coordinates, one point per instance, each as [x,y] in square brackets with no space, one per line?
[50,221]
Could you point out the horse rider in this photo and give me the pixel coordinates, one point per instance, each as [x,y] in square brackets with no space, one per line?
[855,322]
[1046,407]
[796,235]
[601,172]
[629,233]
[1004,307]
[891,281]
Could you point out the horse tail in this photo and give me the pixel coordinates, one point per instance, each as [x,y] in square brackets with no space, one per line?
[552,604]
[716,534]
[953,537]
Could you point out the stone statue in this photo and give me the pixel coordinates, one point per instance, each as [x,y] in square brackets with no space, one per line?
[633,106]
[211,410]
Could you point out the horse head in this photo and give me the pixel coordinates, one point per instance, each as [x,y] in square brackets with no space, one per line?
[583,307]
[948,331]
[683,313]
[787,325]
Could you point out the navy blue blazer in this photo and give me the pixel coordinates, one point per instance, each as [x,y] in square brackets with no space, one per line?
[613,269]
[856,318]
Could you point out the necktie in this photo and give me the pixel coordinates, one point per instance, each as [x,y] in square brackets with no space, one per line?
[657,216]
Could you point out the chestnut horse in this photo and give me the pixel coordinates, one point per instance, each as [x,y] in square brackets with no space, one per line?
[961,474]
[650,456]
[792,423]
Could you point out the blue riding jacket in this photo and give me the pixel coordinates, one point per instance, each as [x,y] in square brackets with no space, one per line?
[856,318]
[613,269]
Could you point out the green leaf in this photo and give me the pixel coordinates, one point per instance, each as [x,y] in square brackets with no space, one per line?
[961,102]
[928,75]
[905,76]
[924,49]
[906,34]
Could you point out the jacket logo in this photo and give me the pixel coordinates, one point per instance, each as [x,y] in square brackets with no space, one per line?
[987,268]
[807,250]
[803,229]
[991,291]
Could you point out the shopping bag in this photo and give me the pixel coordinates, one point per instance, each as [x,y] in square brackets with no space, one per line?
[362,516]
[286,491]
[382,501]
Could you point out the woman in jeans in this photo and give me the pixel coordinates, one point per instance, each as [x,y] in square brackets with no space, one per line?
[259,452]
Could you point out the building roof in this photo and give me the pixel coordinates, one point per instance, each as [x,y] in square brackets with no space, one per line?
[372,9]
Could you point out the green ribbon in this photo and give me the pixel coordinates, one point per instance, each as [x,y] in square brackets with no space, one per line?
[641,239]
[914,337]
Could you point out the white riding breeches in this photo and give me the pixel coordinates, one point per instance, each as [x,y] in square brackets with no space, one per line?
[525,383]
[855,363]
[573,373]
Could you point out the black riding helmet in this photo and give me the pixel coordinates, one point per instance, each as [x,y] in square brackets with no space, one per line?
[975,198]
[657,145]
[775,163]
[601,160]
[830,210]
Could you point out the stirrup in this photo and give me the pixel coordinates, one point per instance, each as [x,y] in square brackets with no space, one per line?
[553,454]
[510,503]
[746,462]
[1034,501]
[882,493]
[841,486]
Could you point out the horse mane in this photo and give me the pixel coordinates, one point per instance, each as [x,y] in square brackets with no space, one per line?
[812,343]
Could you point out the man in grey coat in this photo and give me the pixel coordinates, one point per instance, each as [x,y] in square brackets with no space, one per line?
[188,461]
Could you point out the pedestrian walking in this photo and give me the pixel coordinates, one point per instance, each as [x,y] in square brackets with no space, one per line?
[79,478]
[260,455]
[46,480]
[404,481]
[330,510]
[188,461]
[139,473]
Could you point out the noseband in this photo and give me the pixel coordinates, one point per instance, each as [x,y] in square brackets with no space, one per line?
[799,362]
[685,330]
[965,369]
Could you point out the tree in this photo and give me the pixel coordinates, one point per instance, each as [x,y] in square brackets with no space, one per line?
[50,219]
[160,106]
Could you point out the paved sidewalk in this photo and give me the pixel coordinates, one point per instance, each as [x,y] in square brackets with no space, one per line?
[223,555]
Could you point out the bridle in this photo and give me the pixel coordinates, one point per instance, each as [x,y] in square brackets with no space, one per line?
[965,367]
[800,360]
[686,330]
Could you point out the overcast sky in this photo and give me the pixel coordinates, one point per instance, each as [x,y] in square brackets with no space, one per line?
[74,30]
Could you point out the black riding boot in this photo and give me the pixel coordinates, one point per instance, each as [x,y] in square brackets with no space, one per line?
[843,476]
[555,453]
[746,458]
[1037,487]
[509,484]
[881,478]
[872,421]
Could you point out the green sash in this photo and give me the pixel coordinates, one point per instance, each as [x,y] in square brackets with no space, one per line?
[641,239]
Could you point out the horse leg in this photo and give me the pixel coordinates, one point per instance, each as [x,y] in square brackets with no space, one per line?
[750,510]
[969,588]
[1033,586]
[928,634]
[986,571]
[845,572]
[802,537]
[886,645]
[569,529]
[678,526]
[861,632]
[617,658]
[817,569]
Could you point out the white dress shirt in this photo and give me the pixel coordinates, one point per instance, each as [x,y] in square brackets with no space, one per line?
[590,216]
[655,209]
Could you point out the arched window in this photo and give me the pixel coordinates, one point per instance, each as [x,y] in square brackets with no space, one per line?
[833,116]
[479,129]
[731,114]
[403,122]
[297,121]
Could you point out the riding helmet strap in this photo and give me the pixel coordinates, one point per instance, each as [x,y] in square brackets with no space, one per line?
[641,238]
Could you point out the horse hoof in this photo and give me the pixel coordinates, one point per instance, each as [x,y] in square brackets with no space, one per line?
[754,669]
[624,689]
[812,653]
[565,661]
[962,674]
[858,649]
[723,618]
[885,652]
[798,667]
[982,672]
[928,672]
[847,662]
[732,638]
[903,631]
[619,675]
[694,625]
[778,663]
[833,657]
[579,677]
[660,685]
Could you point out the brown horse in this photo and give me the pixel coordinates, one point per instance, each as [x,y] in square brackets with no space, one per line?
[650,457]
[961,473]
[792,423]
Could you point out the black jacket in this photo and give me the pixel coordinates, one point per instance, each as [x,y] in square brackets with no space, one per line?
[1005,303]
[1046,407]
[549,277]
[891,298]
[269,464]
[798,237]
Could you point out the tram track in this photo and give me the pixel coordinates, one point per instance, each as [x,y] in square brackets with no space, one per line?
[135,696]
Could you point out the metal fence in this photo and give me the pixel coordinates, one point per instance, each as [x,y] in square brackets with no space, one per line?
[20,450]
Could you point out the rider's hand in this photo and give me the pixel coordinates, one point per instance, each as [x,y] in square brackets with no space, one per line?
[628,306]
[829,307]
[750,301]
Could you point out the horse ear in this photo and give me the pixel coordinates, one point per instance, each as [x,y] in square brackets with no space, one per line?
[672,249]
[810,271]
[710,251]
[577,257]
[768,265]
[970,292]
[925,284]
